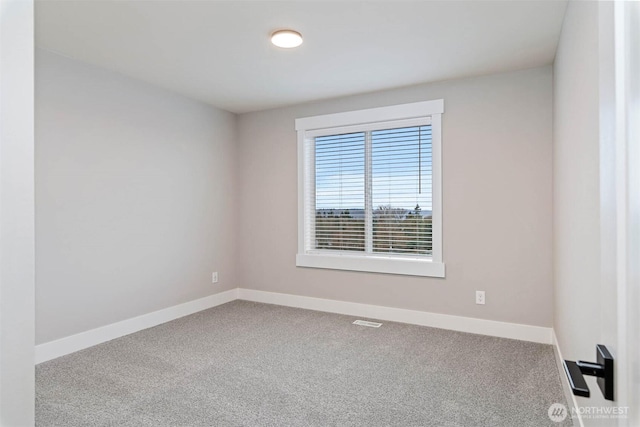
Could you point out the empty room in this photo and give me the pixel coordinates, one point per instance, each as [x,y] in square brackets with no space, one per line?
[319,213]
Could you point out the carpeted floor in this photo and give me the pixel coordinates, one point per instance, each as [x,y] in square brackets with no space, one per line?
[250,364]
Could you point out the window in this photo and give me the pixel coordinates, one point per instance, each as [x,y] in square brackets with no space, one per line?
[369,190]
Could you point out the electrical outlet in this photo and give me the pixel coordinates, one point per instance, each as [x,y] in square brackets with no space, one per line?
[479,297]
[214,277]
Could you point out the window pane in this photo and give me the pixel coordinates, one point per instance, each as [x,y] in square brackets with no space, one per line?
[340,170]
[401,169]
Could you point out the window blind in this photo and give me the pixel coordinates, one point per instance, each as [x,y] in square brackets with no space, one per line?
[339,192]
[372,192]
[401,190]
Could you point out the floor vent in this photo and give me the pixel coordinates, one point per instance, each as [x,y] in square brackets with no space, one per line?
[366,323]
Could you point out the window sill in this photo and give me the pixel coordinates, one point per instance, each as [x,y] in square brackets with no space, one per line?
[381,264]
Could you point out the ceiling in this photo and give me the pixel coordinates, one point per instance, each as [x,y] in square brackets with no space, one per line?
[219,51]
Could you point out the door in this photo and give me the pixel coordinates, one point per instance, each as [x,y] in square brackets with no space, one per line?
[620,208]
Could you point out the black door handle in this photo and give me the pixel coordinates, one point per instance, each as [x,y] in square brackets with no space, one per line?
[602,369]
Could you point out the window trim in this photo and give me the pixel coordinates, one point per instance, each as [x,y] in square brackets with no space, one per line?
[310,127]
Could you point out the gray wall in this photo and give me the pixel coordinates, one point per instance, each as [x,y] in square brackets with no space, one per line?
[141,194]
[497,208]
[135,198]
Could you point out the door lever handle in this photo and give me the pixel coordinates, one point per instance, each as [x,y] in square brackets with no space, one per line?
[593,369]
[602,370]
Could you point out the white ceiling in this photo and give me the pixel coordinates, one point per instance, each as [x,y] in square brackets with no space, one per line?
[219,51]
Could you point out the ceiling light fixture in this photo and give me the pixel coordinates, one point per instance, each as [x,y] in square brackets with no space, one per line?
[286,38]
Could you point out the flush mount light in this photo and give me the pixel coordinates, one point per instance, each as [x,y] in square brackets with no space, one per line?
[286,38]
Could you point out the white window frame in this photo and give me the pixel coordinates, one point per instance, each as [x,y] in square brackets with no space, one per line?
[405,114]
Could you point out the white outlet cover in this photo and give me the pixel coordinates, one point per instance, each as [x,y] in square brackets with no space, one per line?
[214,277]
[480,299]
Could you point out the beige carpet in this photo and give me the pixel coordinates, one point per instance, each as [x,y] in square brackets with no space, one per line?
[250,364]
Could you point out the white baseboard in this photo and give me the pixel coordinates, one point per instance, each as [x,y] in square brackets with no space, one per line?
[443,321]
[73,343]
[571,398]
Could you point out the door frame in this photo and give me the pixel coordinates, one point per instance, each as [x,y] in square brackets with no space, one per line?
[627,149]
